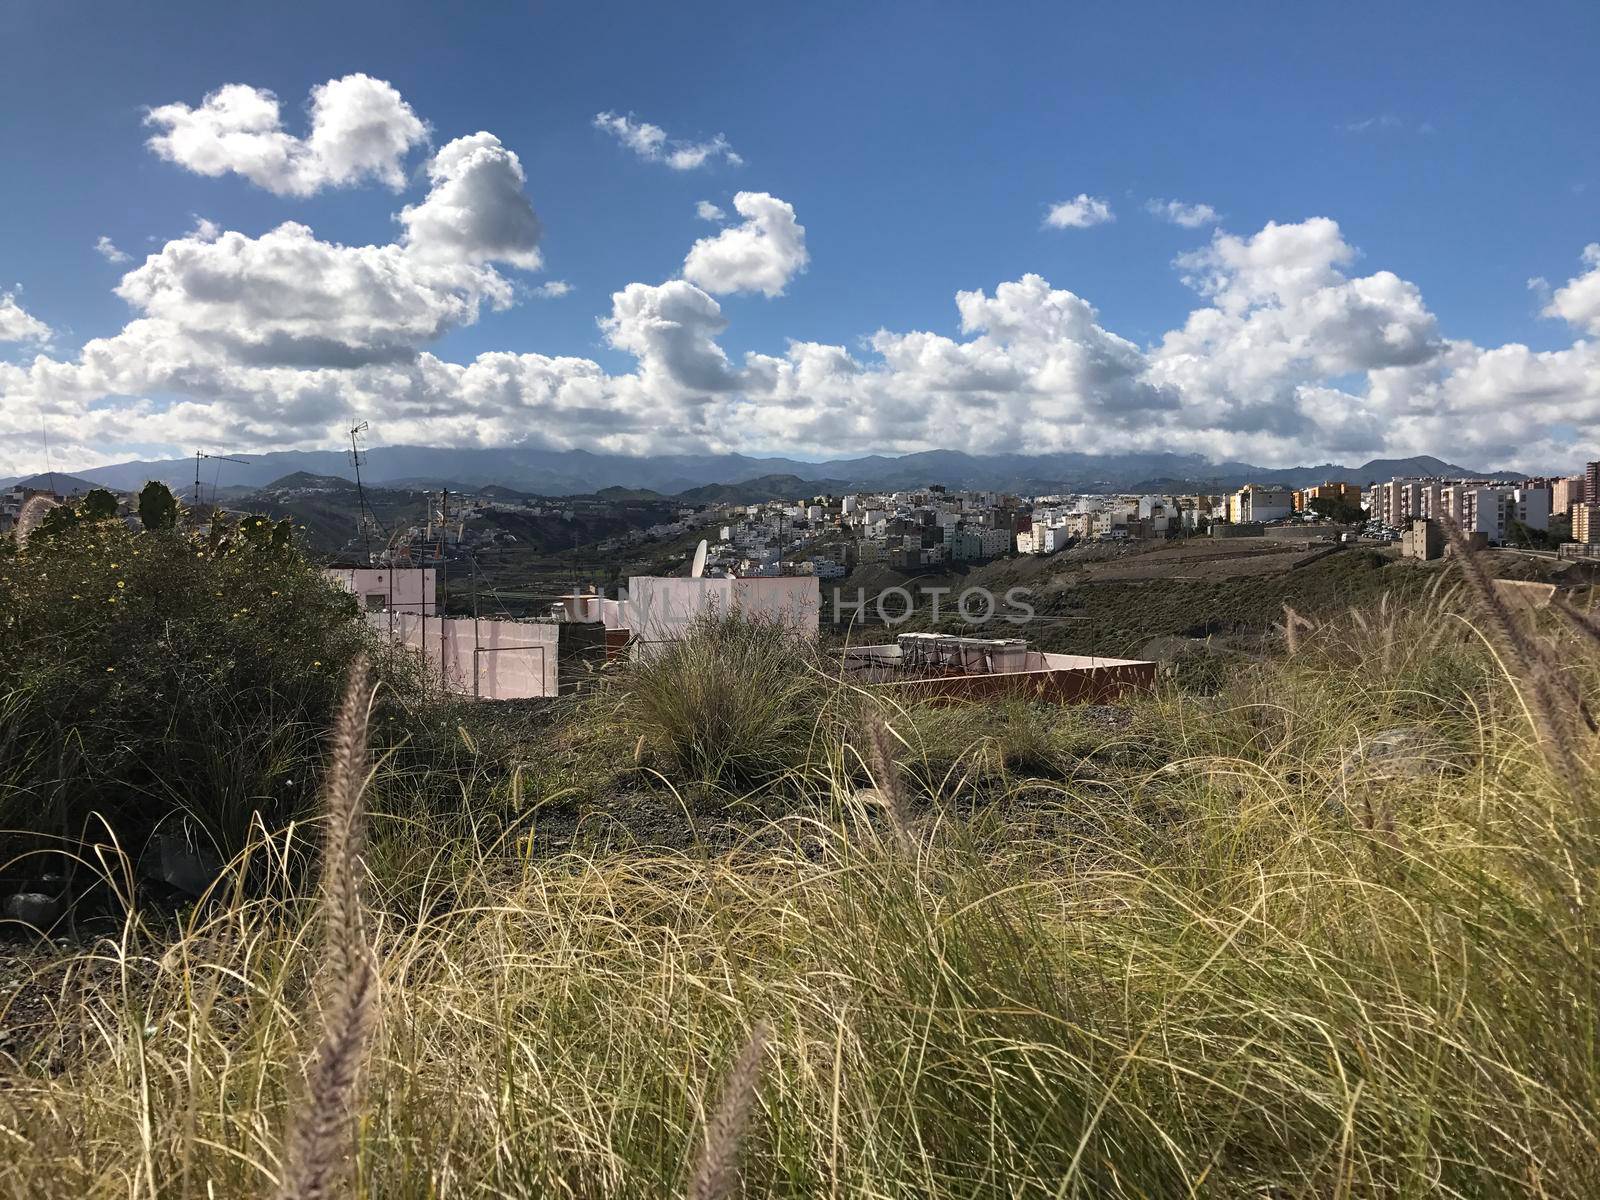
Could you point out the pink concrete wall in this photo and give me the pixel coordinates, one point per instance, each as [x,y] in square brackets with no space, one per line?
[491,660]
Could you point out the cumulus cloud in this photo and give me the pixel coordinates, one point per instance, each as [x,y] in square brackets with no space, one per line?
[553,289]
[762,254]
[361,129]
[275,341]
[1190,216]
[107,249]
[1081,212]
[1283,318]
[671,329]
[651,143]
[708,211]
[1577,302]
[19,325]
[288,298]
[477,210]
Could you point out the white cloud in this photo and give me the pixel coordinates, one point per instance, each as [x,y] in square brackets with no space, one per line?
[651,143]
[1366,124]
[553,290]
[19,325]
[361,128]
[277,340]
[708,211]
[671,329]
[1080,212]
[1577,302]
[1190,216]
[477,210]
[1283,318]
[287,298]
[107,249]
[761,255]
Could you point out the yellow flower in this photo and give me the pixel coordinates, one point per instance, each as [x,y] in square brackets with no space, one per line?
[316,662]
[120,584]
[110,669]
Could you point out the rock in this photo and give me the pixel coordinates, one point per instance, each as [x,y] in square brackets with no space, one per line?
[181,863]
[1407,752]
[33,908]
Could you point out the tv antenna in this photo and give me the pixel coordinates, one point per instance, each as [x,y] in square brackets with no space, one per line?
[367,522]
[198,455]
[699,568]
[49,471]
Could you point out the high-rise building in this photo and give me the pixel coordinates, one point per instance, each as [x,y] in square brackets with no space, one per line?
[1591,483]
[1586,523]
[1564,493]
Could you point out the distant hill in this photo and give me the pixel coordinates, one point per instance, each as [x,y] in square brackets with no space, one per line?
[304,480]
[62,485]
[534,471]
[760,489]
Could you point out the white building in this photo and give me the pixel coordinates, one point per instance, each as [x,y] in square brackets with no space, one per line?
[388,589]
[994,542]
[1255,502]
[1490,509]
[1533,507]
[661,609]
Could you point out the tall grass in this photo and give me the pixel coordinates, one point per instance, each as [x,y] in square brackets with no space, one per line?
[730,706]
[1328,933]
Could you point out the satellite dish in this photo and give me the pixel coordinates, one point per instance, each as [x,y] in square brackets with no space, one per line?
[699,568]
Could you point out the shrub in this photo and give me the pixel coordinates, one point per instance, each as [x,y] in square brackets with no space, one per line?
[153,674]
[158,507]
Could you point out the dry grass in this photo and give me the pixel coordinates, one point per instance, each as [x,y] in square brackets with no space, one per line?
[319,1144]
[1293,954]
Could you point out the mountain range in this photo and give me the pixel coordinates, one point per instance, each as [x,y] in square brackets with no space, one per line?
[580,472]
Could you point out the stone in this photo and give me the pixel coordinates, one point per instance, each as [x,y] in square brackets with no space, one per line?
[33,908]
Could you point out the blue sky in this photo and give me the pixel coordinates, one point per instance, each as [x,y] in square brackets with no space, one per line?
[921,147]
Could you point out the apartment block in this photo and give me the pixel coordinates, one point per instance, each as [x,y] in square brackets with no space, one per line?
[1564,493]
[1475,505]
[1348,493]
[1253,502]
[1586,524]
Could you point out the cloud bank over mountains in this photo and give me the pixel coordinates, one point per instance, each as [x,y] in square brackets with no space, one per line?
[278,341]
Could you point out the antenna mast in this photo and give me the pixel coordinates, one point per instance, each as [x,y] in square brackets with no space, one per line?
[366,521]
[195,499]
